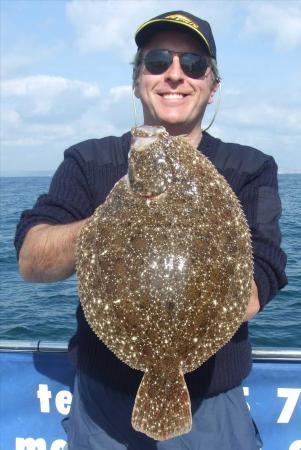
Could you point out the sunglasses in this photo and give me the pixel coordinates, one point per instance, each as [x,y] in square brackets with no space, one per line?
[159,60]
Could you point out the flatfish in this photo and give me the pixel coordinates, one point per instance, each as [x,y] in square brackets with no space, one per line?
[164,270]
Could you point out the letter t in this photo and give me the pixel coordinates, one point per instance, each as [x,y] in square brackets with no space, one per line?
[44,395]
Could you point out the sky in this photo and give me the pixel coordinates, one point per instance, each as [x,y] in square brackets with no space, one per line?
[66,75]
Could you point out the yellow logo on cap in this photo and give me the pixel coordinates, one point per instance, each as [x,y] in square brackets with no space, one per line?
[182,19]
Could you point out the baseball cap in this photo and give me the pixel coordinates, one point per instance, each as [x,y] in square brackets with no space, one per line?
[178,20]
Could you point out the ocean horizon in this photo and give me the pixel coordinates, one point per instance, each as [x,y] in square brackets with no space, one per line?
[50,173]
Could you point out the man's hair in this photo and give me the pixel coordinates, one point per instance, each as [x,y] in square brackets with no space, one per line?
[138,60]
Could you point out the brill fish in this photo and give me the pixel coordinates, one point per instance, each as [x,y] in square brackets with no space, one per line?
[164,271]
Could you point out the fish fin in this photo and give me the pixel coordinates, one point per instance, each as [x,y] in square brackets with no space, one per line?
[162,407]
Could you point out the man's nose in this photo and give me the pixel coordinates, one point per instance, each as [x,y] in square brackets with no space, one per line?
[175,71]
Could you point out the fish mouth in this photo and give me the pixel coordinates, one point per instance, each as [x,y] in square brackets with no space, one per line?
[153,197]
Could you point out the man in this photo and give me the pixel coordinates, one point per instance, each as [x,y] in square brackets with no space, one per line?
[175,77]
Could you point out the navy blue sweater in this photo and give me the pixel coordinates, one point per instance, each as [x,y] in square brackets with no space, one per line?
[81,183]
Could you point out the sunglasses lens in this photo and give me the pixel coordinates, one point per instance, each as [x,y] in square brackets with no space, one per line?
[194,66]
[157,61]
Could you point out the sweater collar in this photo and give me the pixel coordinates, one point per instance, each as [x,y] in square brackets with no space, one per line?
[208,145]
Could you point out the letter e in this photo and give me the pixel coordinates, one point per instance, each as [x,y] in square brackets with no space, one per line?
[63,401]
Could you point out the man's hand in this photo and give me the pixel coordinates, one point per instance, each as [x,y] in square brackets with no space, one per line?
[48,252]
[253,306]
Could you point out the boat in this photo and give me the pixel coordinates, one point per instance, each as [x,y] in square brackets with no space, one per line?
[36,379]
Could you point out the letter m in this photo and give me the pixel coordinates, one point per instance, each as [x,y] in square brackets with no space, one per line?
[30,444]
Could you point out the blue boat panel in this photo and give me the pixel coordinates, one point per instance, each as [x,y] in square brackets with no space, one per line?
[35,397]
[36,387]
[273,391]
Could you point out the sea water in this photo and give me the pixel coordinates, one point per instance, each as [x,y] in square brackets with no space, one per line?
[30,311]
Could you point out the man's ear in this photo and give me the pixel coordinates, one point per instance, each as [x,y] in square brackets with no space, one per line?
[214,89]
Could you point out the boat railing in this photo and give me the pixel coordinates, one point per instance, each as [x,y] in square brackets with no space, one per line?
[258,353]
[33,346]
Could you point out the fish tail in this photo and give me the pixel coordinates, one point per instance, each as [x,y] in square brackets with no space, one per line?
[162,407]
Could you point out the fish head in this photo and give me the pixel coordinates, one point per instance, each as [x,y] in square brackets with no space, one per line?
[150,169]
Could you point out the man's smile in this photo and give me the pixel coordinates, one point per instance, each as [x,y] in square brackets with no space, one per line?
[173,95]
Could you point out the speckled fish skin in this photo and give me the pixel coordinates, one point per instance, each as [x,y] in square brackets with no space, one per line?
[164,272]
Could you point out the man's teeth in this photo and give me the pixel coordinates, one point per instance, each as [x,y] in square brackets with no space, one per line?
[173,95]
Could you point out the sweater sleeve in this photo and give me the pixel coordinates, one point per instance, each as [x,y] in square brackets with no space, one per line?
[262,206]
[67,200]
